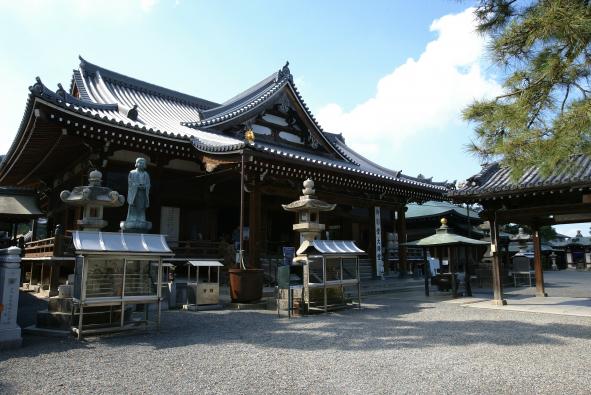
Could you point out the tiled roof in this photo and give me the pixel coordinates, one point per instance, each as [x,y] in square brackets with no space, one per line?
[372,167]
[438,209]
[244,102]
[345,166]
[247,104]
[496,179]
[125,101]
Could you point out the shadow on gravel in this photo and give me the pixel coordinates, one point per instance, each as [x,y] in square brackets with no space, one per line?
[381,325]
[28,305]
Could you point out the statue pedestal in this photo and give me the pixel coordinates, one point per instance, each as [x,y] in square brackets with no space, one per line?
[135,226]
[10,272]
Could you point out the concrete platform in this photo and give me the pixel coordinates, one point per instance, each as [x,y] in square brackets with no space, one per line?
[580,307]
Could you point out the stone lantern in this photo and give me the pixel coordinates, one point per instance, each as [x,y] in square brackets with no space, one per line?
[521,238]
[93,198]
[308,209]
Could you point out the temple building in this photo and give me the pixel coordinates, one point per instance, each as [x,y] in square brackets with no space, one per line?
[536,199]
[195,149]
[421,219]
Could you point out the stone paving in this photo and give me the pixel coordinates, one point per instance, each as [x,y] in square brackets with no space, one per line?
[398,343]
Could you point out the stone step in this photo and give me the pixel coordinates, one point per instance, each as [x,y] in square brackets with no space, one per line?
[60,305]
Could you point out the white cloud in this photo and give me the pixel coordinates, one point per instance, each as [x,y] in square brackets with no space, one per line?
[419,96]
[147,5]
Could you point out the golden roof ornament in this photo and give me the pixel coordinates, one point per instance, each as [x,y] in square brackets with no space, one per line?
[443,221]
[249,136]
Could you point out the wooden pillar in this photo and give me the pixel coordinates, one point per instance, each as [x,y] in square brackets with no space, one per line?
[254,226]
[34,229]
[54,278]
[401,230]
[156,196]
[497,274]
[539,272]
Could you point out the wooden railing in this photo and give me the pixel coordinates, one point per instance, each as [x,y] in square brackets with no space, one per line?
[53,246]
[198,249]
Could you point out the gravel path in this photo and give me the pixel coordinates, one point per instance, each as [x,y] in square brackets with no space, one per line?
[393,345]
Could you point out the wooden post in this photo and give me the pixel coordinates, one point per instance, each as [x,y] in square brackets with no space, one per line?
[156,196]
[452,272]
[539,272]
[497,279]
[34,227]
[427,271]
[401,229]
[254,225]
[54,278]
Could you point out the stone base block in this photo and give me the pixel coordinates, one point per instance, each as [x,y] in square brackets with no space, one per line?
[60,305]
[10,338]
[135,226]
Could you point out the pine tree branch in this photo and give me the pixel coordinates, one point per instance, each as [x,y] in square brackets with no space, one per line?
[583,91]
[565,98]
[518,91]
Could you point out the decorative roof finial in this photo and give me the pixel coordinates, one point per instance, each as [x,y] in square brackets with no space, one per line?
[249,136]
[37,86]
[60,90]
[95,178]
[308,187]
[284,73]
[133,113]
[443,222]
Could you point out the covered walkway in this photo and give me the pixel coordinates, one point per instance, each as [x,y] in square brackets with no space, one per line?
[569,293]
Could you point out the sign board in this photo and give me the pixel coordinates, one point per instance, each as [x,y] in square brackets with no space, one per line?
[170,222]
[378,228]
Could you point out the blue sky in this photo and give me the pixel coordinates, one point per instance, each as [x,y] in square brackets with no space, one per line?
[392,76]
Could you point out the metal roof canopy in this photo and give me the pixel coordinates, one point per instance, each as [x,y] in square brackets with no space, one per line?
[330,247]
[444,237]
[18,205]
[204,263]
[118,242]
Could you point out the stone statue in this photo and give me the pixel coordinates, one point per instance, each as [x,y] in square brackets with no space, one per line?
[138,199]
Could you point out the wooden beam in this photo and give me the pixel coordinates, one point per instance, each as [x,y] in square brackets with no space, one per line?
[543,213]
[497,272]
[401,230]
[254,226]
[539,272]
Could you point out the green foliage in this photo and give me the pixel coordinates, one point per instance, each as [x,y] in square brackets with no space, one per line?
[547,233]
[544,114]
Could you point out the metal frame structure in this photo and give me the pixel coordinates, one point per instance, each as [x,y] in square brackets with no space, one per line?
[326,284]
[92,248]
[214,287]
[325,250]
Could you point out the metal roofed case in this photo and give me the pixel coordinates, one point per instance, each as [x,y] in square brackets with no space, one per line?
[327,247]
[118,243]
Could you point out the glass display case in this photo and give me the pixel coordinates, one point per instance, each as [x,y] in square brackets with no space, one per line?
[330,269]
[117,277]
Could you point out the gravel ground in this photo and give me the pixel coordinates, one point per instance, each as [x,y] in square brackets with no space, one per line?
[396,344]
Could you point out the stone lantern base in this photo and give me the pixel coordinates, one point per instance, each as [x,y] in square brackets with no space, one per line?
[135,226]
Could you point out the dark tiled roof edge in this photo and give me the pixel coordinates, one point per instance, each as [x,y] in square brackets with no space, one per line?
[41,91]
[496,179]
[352,168]
[204,147]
